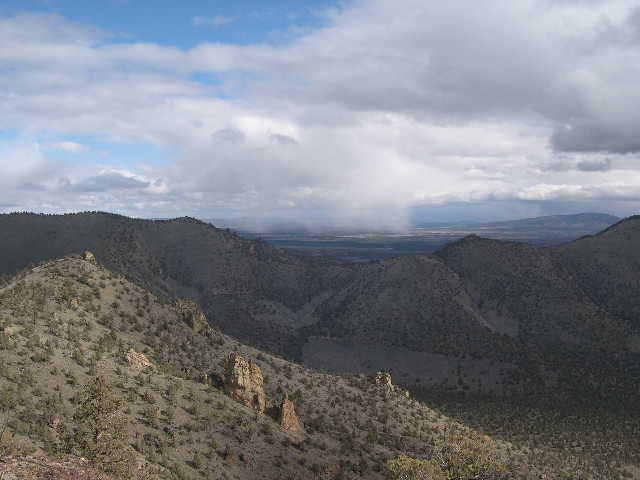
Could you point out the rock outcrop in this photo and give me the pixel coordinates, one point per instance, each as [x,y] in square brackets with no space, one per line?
[288,417]
[139,360]
[383,380]
[244,383]
[89,257]
[192,315]
[54,421]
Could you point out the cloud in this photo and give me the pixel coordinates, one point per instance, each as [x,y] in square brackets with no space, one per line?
[361,120]
[215,21]
[71,147]
[598,165]
[108,182]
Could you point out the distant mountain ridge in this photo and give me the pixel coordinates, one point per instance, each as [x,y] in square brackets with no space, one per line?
[570,311]
[592,221]
[567,221]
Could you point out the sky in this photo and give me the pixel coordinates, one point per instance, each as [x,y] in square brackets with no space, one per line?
[364,114]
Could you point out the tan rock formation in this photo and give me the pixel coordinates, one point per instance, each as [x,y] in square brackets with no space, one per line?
[244,383]
[192,315]
[288,417]
[54,421]
[383,379]
[139,360]
[89,257]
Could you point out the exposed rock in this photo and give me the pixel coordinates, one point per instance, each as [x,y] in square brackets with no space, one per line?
[383,379]
[244,383]
[54,421]
[288,417]
[192,315]
[139,360]
[89,257]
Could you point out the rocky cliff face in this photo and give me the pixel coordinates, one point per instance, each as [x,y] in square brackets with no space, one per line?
[288,417]
[192,315]
[244,383]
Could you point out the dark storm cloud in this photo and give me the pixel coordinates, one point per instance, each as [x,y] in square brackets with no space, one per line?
[567,164]
[574,64]
[594,165]
[594,135]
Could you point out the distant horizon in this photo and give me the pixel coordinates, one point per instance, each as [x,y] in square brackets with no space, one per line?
[242,224]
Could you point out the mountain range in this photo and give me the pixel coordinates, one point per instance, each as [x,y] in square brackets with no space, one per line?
[515,309]
[537,346]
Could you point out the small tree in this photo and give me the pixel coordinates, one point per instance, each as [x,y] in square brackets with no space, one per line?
[407,468]
[101,435]
[470,456]
[456,457]
[4,425]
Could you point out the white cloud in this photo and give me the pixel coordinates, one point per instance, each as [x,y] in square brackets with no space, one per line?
[71,147]
[382,109]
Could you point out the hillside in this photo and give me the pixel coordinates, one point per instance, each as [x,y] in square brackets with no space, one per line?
[480,316]
[607,266]
[252,290]
[67,321]
[525,292]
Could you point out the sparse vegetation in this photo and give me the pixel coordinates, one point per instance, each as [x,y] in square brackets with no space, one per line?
[180,421]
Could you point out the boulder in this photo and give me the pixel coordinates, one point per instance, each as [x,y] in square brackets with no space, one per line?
[139,360]
[244,383]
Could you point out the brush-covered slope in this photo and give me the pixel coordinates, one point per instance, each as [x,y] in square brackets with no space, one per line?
[67,321]
[607,266]
[525,292]
[252,290]
[413,302]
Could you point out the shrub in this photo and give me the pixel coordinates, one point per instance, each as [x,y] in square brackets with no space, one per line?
[455,457]
[101,433]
